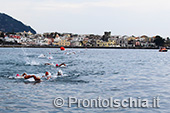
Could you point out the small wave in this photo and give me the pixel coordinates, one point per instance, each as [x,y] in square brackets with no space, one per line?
[69,80]
[115,73]
[5,74]
[7,63]
[31,56]
[90,92]
[114,89]
[41,56]
[65,76]
[33,63]
[99,73]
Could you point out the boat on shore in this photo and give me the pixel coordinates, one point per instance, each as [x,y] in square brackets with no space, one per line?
[163,49]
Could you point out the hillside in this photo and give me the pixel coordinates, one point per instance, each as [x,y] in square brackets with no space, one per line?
[9,24]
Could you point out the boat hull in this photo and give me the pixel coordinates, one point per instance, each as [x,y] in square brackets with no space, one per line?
[163,50]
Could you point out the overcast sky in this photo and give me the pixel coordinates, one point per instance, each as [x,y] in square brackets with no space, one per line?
[121,17]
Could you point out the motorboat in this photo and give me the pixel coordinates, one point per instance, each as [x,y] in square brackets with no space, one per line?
[163,49]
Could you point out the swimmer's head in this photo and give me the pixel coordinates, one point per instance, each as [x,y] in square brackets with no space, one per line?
[17,75]
[46,73]
[59,73]
[56,65]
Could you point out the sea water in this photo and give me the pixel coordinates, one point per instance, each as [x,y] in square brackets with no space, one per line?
[89,74]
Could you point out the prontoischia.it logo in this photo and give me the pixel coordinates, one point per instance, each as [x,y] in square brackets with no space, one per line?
[107,103]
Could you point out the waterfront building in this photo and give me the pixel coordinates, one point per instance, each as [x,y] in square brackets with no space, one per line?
[76,44]
[44,42]
[61,43]
[110,43]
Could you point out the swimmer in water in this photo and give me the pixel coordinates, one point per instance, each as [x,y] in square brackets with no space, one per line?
[59,73]
[47,75]
[37,79]
[62,64]
[48,64]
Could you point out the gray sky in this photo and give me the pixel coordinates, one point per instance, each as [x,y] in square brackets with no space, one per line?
[121,17]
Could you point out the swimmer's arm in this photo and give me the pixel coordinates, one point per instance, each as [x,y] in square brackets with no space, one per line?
[48,77]
[62,64]
[24,74]
[48,64]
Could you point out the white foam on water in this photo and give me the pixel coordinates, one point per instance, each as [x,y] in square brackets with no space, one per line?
[19,77]
[30,79]
[59,76]
[32,63]
[62,66]
[41,56]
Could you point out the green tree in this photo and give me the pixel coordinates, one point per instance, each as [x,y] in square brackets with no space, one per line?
[2,34]
[159,41]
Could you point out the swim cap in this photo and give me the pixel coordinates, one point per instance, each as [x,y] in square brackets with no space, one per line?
[56,65]
[46,73]
[17,75]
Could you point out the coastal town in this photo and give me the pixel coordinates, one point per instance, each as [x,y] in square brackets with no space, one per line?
[55,39]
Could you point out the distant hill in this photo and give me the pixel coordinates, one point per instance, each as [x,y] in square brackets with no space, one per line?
[9,24]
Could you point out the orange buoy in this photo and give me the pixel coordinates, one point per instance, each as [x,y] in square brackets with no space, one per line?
[62,48]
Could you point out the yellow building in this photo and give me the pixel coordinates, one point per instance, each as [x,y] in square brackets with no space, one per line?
[130,38]
[62,43]
[111,43]
[105,44]
[85,42]
[101,43]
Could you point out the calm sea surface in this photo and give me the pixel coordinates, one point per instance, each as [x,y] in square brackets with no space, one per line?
[90,73]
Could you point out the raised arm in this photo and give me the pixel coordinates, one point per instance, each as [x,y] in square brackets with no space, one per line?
[24,74]
[62,64]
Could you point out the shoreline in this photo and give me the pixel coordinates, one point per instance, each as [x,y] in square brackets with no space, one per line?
[23,46]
